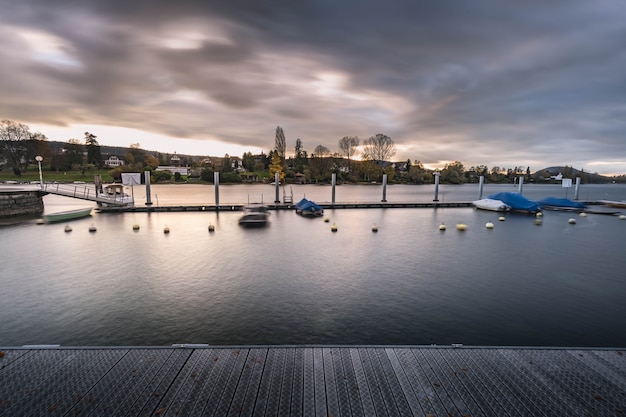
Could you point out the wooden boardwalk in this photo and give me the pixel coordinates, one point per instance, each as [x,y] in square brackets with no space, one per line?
[320,381]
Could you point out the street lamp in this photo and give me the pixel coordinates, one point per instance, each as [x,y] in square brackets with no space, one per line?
[39,159]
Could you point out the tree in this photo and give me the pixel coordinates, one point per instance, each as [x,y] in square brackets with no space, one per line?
[320,162]
[227,165]
[94,155]
[13,137]
[347,147]
[280,144]
[277,166]
[453,173]
[379,148]
[300,156]
[73,155]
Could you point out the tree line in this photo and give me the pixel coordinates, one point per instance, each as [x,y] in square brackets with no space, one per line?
[354,160]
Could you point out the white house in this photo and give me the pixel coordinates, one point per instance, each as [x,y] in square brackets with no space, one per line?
[114,161]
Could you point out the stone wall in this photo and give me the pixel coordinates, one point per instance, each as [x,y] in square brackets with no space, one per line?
[20,203]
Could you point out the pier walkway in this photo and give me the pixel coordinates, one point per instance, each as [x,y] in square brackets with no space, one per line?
[323,381]
[83,192]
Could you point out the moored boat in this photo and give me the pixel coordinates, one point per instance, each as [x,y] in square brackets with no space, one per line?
[62,216]
[491,204]
[308,208]
[114,195]
[611,203]
[565,204]
[517,202]
[254,215]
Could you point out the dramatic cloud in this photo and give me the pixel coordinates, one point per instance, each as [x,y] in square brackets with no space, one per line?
[487,82]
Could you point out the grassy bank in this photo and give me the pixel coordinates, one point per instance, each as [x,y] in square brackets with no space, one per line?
[50,176]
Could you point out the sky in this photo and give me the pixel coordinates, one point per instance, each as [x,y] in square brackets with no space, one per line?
[486,82]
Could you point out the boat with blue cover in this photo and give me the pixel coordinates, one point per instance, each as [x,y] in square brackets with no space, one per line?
[554,203]
[517,202]
[308,208]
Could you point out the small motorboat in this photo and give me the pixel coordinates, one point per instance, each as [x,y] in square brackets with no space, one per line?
[254,215]
[491,204]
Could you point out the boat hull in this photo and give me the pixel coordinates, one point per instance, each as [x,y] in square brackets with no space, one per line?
[63,216]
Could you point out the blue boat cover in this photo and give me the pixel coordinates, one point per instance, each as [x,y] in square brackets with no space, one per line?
[307,205]
[516,201]
[560,202]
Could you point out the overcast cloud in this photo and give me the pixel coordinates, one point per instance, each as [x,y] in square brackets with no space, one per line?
[492,82]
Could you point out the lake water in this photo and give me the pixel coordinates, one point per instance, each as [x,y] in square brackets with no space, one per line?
[296,282]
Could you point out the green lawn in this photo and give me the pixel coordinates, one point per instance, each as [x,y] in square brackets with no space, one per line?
[32,174]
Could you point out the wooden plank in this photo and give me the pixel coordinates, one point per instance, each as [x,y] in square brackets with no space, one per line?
[324,381]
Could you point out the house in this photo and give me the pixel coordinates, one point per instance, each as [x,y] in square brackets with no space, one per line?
[113,161]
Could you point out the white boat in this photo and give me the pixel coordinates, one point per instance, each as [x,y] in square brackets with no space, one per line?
[62,216]
[615,204]
[254,215]
[115,195]
[490,204]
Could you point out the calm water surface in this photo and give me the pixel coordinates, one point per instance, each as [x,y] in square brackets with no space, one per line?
[296,282]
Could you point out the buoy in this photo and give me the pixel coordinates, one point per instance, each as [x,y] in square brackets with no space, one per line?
[326,219]
[572,221]
[135,227]
[166,230]
[622,217]
[442,227]
[333,228]
[583,214]
[538,222]
[374,228]
[489,225]
[92,228]
[539,214]
[211,228]
[68,229]
[501,218]
[40,221]
[461,226]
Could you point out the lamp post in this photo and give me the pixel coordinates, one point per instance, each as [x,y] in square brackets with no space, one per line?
[39,159]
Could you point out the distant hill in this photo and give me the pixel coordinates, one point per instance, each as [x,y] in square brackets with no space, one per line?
[570,172]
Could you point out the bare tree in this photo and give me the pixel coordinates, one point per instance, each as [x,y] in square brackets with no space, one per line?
[280,144]
[379,148]
[347,147]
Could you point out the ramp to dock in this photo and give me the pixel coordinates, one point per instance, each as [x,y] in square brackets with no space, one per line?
[191,380]
[84,192]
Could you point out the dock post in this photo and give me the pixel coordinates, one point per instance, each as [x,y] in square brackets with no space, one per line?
[146,175]
[521,184]
[334,182]
[384,200]
[577,188]
[216,181]
[277,181]
[481,182]
[436,174]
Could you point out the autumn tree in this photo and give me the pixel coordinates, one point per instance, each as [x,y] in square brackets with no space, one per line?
[277,166]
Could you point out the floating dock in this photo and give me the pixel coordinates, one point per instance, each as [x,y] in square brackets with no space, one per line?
[239,207]
[200,380]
